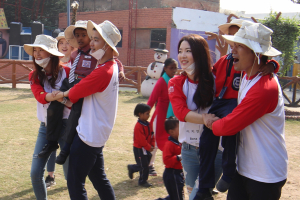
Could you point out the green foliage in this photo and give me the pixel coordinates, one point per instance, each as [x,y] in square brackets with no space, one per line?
[284,37]
[49,18]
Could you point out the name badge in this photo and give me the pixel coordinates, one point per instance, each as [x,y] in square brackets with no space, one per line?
[88,57]
[86,63]
[193,133]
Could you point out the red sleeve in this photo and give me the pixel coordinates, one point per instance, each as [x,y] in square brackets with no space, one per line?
[97,81]
[276,63]
[120,65]
[261,99]
[37,90]
[155,93]
[140,137]
[177,97]
[169,155]
[67,70]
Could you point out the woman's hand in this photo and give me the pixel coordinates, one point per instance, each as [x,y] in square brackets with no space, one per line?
[209,119]
[54,93]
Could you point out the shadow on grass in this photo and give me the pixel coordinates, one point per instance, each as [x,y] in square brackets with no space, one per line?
[18,97]
[19,195]
[137,99]
[128,188]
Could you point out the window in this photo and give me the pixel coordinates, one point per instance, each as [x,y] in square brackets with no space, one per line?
[120,43]
[158,36]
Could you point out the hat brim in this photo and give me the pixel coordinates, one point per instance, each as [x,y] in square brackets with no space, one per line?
[162,50]
[224,27]
[60,37]
[231,39]
[91,25]
[29,49]
[69,35]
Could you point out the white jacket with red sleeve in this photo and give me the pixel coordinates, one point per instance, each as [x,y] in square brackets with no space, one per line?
[262,154]
[40,93]
[181,91]
[100,92]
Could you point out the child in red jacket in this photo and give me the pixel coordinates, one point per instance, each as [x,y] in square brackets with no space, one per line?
[173,175]
[143,144]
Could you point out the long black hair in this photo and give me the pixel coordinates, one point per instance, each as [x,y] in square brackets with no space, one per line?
[41,75]
[204,94]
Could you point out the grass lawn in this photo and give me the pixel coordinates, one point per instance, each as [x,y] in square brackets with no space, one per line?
[18,132]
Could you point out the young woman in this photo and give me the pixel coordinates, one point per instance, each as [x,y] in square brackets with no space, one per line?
[45,79]
[65,48]
[163,109]
[191,95]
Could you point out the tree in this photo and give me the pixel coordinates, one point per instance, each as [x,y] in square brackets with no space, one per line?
[45,11]
[284,38]
[296,1]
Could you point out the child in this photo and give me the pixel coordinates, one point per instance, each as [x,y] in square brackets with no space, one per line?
[143,144]
[173,175]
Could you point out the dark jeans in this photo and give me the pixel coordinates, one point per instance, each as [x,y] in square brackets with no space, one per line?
[84,161]
[174,182]
[243,188]
[142,165]
[208,147]
[55,114]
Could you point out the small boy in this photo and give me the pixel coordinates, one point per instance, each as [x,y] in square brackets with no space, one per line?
[143,144]
[173,175]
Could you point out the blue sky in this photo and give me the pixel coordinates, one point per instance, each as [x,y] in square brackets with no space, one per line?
[260,6]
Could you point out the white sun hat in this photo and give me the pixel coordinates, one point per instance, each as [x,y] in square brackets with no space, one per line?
[69,32]
[61,35]
[45,42]
[255,36]
[224,27]
[109,32]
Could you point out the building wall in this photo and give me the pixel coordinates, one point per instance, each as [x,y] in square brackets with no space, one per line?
[103,5]
[147,19]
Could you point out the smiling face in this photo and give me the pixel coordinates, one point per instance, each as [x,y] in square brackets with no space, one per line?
[185,56]
[64,47]
[97,42]
[160,57]
[39,53]
[243,57]
[81,37]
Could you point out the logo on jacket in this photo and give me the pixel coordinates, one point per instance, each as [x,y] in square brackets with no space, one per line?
[171,89]
[236,81]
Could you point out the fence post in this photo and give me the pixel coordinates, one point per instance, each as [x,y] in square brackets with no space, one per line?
[139,80]
[14,81]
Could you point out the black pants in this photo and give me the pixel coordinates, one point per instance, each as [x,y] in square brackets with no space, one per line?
[208,147]
[174,182]
[55,115]
[243,188]
[142,164]
[87,161]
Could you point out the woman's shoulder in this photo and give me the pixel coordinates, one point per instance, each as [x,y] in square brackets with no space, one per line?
[178,78]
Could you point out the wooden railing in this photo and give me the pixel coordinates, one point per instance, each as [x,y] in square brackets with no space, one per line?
[131,83]
[4,63]
[293,82]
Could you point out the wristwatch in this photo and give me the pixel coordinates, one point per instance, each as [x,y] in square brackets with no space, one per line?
[64,101]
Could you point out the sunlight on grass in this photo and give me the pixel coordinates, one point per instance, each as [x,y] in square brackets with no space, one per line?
[19,127]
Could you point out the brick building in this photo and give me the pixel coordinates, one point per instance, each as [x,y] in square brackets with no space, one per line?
[142,29]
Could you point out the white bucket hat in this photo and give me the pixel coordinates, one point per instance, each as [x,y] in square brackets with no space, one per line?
[61,35]
[109,32]
[255,36]
[69,32]
[45,42]
[224,27]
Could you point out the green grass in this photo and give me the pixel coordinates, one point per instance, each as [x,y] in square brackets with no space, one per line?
[18,132]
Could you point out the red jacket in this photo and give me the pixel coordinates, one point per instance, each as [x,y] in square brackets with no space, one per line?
[143,135]
[170,152]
